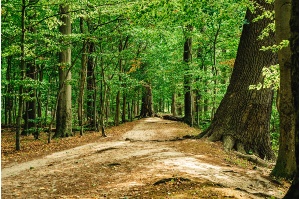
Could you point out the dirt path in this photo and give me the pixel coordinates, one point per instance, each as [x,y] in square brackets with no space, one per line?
[129,166]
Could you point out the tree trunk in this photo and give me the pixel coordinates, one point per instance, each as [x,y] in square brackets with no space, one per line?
[22,74]
[117,114]
[187,58]
[293,192]
[179,105]
[82,79]
[147,102]
[91,85]
[242,120]
[9,92]
[286,164]
[64,106]
[30,106]
[124,108]
[173,106]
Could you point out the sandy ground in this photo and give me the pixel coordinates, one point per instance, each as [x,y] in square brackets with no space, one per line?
[129,165]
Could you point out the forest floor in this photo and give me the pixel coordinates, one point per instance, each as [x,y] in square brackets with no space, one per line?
[140,159]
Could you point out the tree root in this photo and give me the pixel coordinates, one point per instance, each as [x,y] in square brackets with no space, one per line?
[253,158]
[175,179]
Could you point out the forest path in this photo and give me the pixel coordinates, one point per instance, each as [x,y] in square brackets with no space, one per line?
[145,162]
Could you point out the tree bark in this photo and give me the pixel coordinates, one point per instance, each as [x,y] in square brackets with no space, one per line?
[82,79]
[124,108]
[187,58]
[117,114]
[64,107]
[243,116]
[293,192]
[22,74]
[173,106]
[9,91]
[147,102]
[286,164]
[91,85]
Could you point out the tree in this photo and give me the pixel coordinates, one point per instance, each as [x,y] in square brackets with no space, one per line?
[30,103]
[64,107]
[286,164]
[147,102]
[22,71]
[293,192]
[187,58]
[243,116]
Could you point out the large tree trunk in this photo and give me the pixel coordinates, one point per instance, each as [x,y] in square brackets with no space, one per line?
[187,58]
[293,192]
[147,102]
[243,117]
[64,107]
[286,164]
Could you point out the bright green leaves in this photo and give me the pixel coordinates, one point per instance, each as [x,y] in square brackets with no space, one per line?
[276,48]
[271,78]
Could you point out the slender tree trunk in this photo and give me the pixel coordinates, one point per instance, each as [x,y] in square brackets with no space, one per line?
[286,161]
[23,72]
[187,58]
[179,105]
[243,118]
[64,106]
[91,85]
[103,94]
[293,192]
[9,91]
[173,106]
[215,71]
[82,79]
[117,114]
[124,108]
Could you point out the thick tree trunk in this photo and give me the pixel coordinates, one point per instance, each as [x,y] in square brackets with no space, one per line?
[64,107]
[147,104]
[187,58]
[243,117]
[293,192]
[286,164]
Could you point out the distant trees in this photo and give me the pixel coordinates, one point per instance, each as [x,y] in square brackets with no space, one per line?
[124,58]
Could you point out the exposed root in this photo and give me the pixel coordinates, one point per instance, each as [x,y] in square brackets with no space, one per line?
[175,179]
[254,159]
